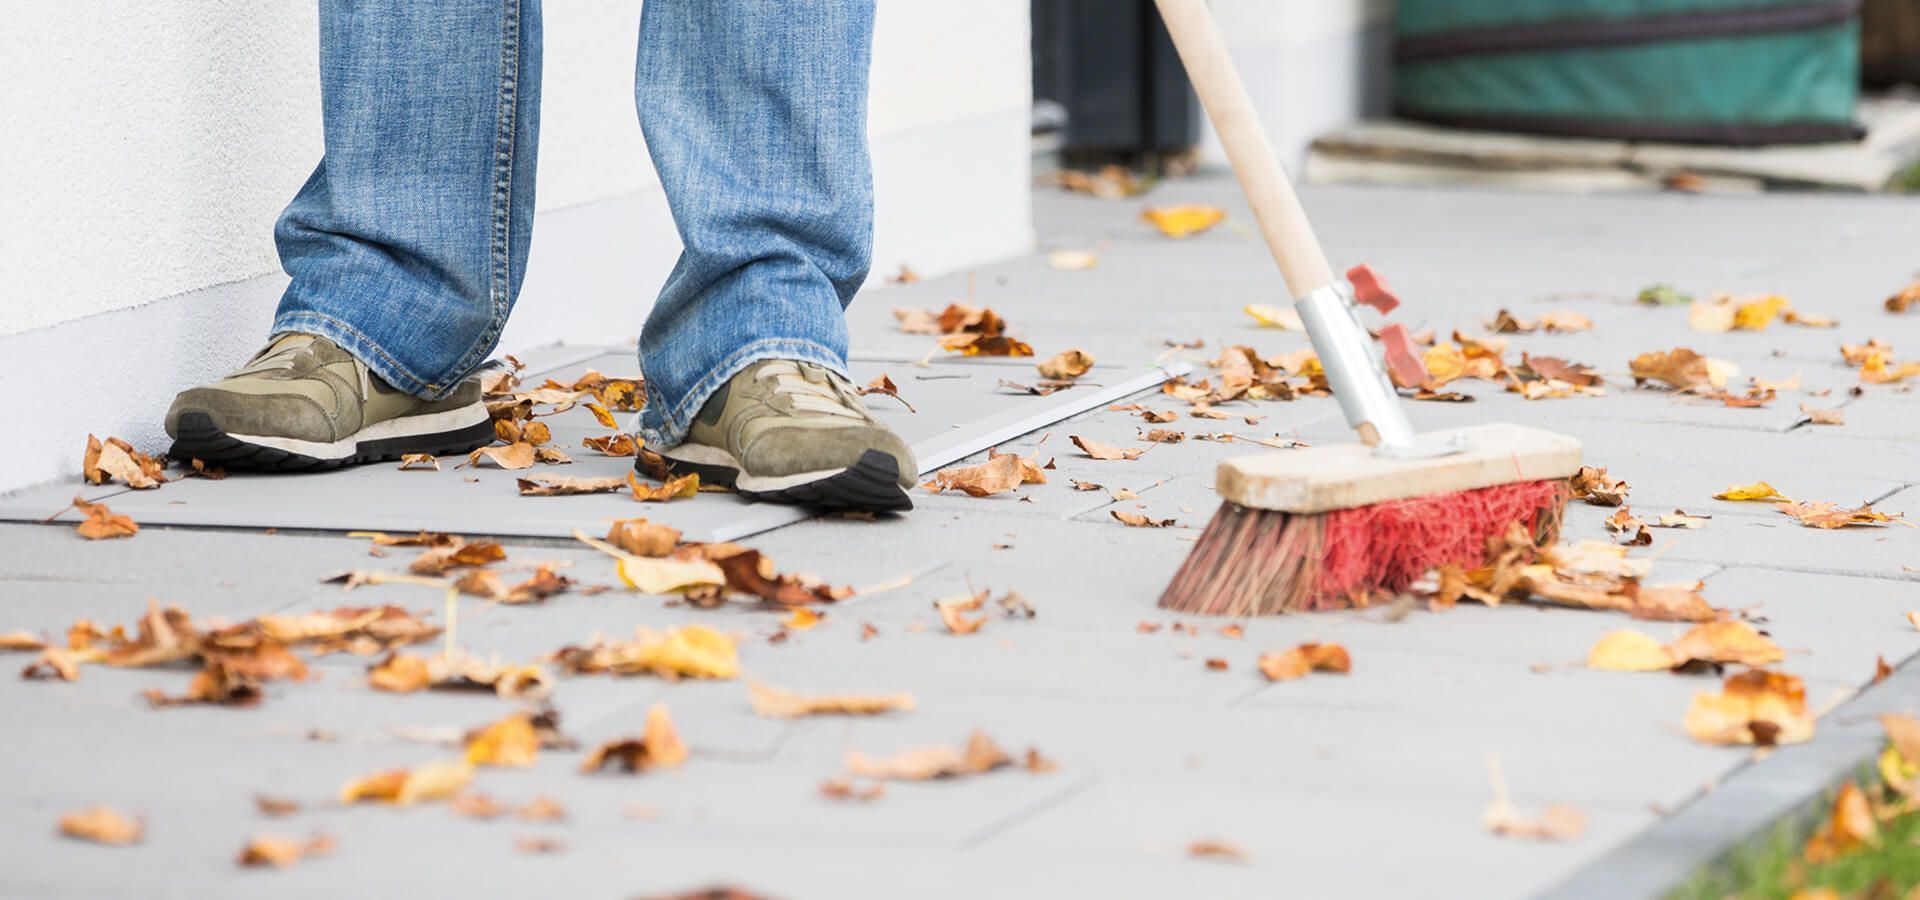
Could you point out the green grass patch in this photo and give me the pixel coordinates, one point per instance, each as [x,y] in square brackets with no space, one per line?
[1771,865]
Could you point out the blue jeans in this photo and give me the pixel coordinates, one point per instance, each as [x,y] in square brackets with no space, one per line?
[408,244]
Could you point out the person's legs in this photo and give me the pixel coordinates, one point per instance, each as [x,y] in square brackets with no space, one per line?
[406,246]
[755,114]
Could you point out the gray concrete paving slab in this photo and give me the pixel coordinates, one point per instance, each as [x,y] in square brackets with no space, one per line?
[1318,779]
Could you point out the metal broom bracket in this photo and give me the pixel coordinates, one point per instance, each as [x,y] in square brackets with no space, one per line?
[1358,367]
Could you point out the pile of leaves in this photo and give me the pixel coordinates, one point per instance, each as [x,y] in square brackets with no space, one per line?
[963,329]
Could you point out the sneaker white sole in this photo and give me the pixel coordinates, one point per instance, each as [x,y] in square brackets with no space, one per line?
[347,448]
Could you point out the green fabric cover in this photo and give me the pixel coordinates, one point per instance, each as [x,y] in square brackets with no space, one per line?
[1418,17]
[1715,85]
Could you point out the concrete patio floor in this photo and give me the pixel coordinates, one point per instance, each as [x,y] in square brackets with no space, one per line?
[1371,784]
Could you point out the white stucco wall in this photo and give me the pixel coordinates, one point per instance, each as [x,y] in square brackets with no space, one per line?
[149,147]
[1310,65]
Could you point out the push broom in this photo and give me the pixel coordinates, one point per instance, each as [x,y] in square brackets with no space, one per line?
[1331,526]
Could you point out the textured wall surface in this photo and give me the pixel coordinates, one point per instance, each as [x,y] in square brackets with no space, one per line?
[151,144]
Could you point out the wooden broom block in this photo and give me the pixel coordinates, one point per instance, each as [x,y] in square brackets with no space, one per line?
[1343,476]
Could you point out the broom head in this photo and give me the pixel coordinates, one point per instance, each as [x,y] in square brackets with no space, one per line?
[1314,528]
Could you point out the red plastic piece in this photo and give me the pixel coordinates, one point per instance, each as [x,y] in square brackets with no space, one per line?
[1403,358]
[1370,289]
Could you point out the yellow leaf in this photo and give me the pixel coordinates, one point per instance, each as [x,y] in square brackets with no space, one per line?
[802,619]
[1758,490]
[1181,221]
[433,781]
[667,576]
[694,651]
[1627,650]
[1285,319]
[508,742]
[1758,314]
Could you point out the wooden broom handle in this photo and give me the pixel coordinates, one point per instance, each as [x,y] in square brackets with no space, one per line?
[1284,224]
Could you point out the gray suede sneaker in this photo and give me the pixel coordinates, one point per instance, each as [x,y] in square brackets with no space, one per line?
[303,403]
[793,432]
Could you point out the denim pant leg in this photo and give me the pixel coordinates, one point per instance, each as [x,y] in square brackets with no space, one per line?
[755,112]
[408,243]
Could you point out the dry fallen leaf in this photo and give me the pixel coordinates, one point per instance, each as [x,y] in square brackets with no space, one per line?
[1283,318]
[979,755]
[885,387]
[274,807]
[1726,641]
[679,487]
[1850,827]
[1758,490]
[1595,487]
[1296,662]
[560,486]
[419,461]
[403,787]
[1073,260]
[621,444]
[1630,651]
[403,673]
[281,852]
[985,345]
[116,459]
[658,747]
[1821,514]
[1066,364]
[1098,450]
[1557,822]
[845,789]
[643,538]
[102,523]
[952,612]
[102,825]
[518,455]
[1216,850]
[997,475]
[511,741]
[457,555]
[667,576]
[1819,416]
[1680,519]
[1757,707]
[802,619]
[1683,369]
[775,703]
[1182,221]
[1136,520]
[691,651]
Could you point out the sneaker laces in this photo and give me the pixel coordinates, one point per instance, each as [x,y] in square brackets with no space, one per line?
[284,355]
[805,394]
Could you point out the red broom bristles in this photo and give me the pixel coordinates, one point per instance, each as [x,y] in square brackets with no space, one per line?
[1260,562]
